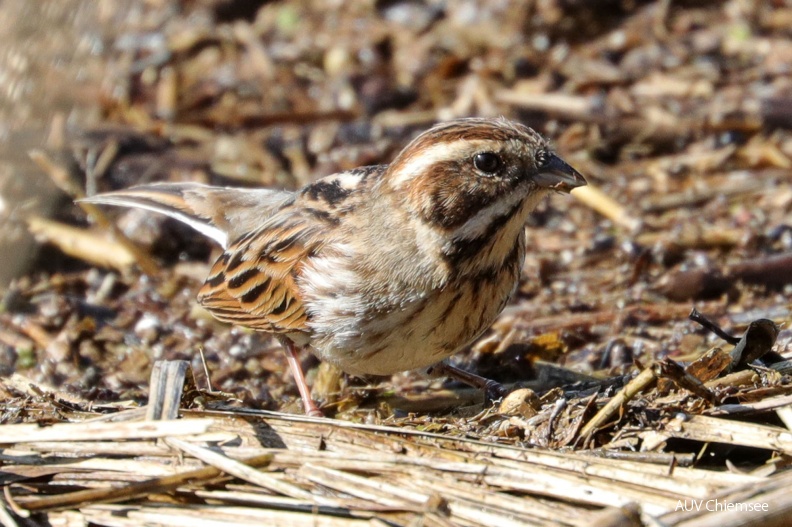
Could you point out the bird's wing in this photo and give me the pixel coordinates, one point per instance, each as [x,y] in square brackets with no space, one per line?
[222,214]
[254,282]
[267,235]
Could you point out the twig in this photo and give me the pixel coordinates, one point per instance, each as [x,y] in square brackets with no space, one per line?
[133,491]
[713,429]
[642,381]
[594,198]
[205,369]
[64,181]
[706,323]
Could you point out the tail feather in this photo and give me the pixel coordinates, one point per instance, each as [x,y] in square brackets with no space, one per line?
[222,214]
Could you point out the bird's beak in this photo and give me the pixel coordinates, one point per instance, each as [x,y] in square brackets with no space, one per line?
[558,175]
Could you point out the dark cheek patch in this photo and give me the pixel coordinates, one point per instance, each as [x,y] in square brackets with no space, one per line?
[456,193]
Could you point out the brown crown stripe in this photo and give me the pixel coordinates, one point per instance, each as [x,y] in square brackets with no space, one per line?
[476,130]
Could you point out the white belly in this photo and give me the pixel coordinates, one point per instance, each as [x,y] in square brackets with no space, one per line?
[373,323]
[419,332]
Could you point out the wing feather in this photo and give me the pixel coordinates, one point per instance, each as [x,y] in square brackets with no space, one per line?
[222,214]
[254,283]
[267,236]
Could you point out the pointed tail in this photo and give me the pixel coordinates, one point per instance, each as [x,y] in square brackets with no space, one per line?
[222,214]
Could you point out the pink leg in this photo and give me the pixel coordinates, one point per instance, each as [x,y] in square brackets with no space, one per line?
[299,378]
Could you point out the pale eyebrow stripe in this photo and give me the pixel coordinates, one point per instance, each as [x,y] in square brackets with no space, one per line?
[442,152]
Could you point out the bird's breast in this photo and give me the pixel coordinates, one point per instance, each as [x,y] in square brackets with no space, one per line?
[381,325]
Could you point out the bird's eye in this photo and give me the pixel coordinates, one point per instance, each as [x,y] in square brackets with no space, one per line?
[487,162]
[542,157]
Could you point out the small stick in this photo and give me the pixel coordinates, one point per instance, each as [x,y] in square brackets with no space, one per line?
[633,388]
[135,490]
[671,370]
[206,370]
[61,177]
[597,200]
[706,323]
[22,513]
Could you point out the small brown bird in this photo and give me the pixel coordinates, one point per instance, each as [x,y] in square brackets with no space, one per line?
[380,269]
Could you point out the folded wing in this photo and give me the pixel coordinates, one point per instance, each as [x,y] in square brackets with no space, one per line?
[222,214]
[254,284]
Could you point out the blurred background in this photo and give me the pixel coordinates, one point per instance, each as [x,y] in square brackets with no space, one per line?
[51,72]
